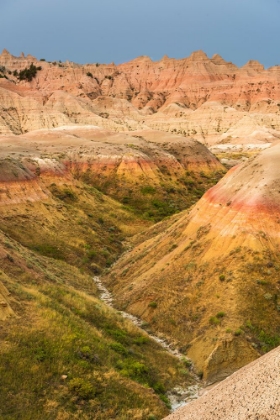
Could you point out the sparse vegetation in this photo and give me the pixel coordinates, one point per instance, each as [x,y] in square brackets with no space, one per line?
[28,73]
[68,348]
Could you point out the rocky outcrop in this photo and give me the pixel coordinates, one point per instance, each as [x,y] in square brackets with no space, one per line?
[201,97]
[155,173]
[252,392]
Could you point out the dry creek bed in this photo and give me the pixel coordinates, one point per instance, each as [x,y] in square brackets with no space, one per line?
[178,396]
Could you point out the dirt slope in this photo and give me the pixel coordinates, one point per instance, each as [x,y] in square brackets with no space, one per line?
[252,392]
[208,278]
[155,174]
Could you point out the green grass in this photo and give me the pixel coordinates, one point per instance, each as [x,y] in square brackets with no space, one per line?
[68,354]
[154,202]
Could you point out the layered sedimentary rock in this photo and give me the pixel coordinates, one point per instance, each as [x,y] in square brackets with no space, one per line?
[206,98]
[208,278]
[156,173]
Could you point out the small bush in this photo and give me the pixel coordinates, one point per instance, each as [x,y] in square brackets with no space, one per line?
[141,340]
[148,189]
[262,282]
[187,362]
[165,400]
[222,277]
[159,388]
[119,348]
[89,74]
[214,320]
[84,390]
[152,305]
[29,72]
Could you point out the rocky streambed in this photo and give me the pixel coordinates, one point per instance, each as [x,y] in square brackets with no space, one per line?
[179,396]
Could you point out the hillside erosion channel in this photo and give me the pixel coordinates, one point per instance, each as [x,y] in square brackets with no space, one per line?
[179,396]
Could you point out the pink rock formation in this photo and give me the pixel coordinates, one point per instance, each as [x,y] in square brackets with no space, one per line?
[202,97]
[250,393]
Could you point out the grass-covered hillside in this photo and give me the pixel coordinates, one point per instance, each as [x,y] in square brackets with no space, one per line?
[65,355]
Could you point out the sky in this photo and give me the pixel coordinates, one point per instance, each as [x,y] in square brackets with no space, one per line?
[105,31]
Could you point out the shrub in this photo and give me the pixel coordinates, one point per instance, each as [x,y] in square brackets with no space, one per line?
[159,388]
[165,400]
[65,194]
[153,305]
[141,340]
[187,362]
[89,74]
[148,189]
[222,277]
[84,390]
[214,320]
[119,348]
[29,72]
[269,341]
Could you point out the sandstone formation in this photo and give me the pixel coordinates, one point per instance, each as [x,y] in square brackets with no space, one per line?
[147,170]
[91,155]
[208,278]
[252,392]
[208,99]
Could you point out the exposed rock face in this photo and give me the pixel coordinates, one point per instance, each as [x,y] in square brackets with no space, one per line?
[146,169]
[206,98]
[252,392]
[212,272]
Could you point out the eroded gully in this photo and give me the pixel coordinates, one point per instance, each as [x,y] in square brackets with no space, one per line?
[179,396]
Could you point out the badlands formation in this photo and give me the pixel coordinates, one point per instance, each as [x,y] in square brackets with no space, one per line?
[208,277]
[209,99]
[250,393]
[91,157]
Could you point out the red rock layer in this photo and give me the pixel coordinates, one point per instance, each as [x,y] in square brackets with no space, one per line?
[212,260]
[207,98]
[32,160]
